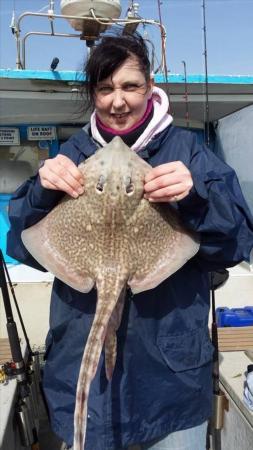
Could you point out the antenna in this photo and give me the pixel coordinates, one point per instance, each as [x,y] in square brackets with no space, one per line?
[187,119]
[132,14]
[13,19]
[206,130]
[164,61]
[163,37]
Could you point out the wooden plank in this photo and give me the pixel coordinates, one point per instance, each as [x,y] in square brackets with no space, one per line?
[235,338]
[233,348]
[238,342]
[232,338]
[242,345]
[236,334]
[5,351]
[235,330]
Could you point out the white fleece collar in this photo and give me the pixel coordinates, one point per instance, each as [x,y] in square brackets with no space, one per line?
[161,119]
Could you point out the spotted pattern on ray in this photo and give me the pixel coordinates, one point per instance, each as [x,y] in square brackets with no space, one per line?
[109,237]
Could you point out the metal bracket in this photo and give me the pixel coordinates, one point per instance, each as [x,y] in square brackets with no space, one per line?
[220,404]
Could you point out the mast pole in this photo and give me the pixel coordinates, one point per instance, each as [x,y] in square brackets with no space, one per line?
[207,128]
[187,118]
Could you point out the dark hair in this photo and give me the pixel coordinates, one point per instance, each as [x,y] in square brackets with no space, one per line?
[109,54]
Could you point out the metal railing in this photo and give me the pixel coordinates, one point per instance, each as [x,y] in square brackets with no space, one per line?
[101,22]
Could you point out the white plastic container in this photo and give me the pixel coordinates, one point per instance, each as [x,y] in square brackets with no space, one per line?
[248,388]
[102,8]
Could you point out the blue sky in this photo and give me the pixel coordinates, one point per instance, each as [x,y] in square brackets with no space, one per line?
[229,36]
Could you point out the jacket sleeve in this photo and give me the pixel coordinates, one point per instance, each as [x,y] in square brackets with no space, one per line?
[29,204]
[217,210]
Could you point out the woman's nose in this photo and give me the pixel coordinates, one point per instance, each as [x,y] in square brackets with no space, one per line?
[118,98]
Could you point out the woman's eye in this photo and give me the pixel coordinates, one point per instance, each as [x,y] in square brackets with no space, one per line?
[130,87]
[104,90]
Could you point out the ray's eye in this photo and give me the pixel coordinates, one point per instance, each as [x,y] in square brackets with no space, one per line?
[100,184]
[129,186]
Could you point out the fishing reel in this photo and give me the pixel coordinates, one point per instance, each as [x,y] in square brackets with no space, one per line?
[26,371]
[7,371]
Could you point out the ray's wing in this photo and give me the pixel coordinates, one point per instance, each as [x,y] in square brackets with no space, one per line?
[59,242]
[159,246]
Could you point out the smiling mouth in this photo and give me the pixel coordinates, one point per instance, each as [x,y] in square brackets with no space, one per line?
[120,116]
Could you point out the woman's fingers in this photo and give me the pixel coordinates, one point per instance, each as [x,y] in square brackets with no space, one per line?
[169,192]
[163,169]
[71,168]
[58,184]
[166,199]
[168,182]
[60,173]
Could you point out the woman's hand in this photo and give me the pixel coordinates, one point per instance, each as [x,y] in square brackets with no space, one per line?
[168,182]
[61,174]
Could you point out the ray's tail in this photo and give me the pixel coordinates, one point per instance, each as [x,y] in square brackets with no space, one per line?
[111,337]
[106,302]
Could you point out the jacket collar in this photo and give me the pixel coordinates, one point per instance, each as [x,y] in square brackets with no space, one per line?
[84,142]
[153,146]
[88,146]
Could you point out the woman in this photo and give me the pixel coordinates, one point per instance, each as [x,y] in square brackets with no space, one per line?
[161,392]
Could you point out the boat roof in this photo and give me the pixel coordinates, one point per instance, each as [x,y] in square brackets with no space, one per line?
[33,96]
[70,75]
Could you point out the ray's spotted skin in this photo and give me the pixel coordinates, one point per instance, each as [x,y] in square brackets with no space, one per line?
[109,237]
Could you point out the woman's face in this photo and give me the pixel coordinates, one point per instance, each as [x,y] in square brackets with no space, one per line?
[121,99]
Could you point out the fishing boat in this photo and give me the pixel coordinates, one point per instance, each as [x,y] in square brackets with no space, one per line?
[42,109]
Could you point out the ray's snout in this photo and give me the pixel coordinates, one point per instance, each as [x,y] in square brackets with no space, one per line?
[115,185]
[114,179]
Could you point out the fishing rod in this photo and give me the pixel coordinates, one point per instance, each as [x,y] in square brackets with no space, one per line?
[26,408]
[207,128]
[216,429]
[187,118]
[219,398]
[34,357]
[220,402]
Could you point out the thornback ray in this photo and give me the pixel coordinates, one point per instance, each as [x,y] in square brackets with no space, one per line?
[110,237]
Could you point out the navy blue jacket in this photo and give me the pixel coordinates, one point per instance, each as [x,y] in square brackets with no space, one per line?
[162,379]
